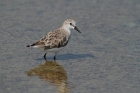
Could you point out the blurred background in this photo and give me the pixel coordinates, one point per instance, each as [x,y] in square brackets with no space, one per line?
[104,58]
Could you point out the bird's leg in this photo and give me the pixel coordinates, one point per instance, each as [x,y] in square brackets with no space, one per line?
[45,56]
[55,56]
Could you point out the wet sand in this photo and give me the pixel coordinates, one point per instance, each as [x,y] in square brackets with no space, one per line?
[104,58]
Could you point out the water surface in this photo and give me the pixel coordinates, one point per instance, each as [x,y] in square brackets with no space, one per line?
[104,58]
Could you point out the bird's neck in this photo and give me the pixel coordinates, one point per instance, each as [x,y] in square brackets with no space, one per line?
[67,29]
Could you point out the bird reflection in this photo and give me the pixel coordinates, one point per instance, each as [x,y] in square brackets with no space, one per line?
[53,73]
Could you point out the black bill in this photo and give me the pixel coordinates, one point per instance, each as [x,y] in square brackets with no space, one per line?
[77,29]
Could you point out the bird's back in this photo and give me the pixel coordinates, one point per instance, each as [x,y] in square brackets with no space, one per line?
[54,39]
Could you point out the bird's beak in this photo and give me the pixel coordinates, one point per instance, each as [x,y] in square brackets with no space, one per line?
[77,29]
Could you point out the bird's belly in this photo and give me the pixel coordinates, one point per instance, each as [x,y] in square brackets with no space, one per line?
[51,50]
[54,49]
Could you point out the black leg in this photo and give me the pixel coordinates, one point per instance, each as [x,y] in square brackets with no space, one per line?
[55,56]
[45,56]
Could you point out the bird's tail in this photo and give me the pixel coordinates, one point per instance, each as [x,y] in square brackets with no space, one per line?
[31,45]
[28,45]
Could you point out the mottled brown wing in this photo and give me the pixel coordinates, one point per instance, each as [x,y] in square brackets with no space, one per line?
[55,39]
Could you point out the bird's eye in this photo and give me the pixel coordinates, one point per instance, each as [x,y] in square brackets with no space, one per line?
[70,23]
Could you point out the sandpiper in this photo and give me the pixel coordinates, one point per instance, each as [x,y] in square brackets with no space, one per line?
[55,40]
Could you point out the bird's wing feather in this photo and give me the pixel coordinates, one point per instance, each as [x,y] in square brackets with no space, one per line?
[54,39]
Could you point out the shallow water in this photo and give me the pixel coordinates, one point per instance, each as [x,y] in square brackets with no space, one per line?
[104,58]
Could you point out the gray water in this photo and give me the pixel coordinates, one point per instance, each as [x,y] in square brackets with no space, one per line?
[104,58]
